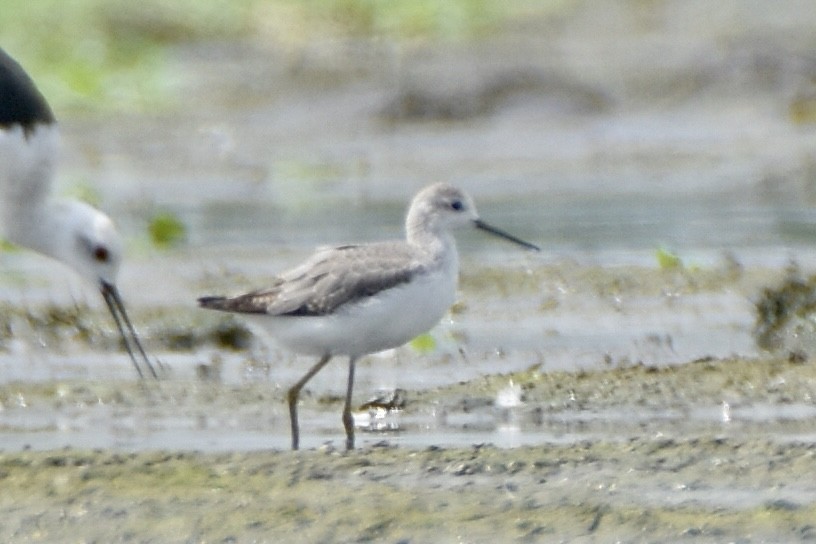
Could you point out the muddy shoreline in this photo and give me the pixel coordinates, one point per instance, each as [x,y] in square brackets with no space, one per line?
[711,448]
[711,479]
[393,495]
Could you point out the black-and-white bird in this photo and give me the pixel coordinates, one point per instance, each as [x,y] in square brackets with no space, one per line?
[31,216]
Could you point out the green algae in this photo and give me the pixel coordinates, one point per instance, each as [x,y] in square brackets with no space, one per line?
[166,230]
[789,303]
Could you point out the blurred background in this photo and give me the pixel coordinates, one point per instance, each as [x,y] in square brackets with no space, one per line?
[661,152]
[606,128]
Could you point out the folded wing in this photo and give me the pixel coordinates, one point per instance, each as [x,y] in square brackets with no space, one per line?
[328,280]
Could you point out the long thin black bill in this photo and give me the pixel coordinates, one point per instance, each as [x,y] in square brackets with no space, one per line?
[500,233]
[117,310]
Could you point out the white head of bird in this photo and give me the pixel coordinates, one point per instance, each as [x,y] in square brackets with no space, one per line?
[69,231]
[87,241]
[440,208]
[436,210]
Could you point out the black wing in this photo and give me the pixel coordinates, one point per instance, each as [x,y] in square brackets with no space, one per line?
[20,101]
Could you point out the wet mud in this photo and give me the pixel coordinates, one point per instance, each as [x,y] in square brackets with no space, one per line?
[490,440]
[655,478]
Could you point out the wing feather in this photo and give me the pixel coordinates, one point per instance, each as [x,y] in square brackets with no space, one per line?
[28,140]
[329,279]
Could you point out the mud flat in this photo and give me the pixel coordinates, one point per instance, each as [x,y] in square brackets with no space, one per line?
[497,445]
[680,466]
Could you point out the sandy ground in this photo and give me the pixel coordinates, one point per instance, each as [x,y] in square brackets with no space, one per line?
[390,495]
[723,479]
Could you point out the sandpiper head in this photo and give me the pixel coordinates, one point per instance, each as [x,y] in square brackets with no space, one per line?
[441,207]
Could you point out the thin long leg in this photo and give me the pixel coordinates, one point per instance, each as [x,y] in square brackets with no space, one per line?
[292,398]
[348,419]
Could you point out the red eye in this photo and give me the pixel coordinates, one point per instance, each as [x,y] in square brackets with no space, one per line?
[101,254]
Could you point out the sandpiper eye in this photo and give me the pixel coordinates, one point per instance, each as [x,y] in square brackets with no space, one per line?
[457,205]
[101,254]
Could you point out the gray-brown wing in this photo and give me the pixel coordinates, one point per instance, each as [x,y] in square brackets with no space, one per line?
[331,278]
[254,302]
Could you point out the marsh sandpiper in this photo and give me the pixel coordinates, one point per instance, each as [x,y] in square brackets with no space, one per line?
[354,300]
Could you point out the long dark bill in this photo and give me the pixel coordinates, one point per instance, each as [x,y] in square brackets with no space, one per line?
[117,310]
[500,233]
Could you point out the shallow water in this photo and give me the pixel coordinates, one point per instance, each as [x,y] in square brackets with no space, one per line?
[693,152]
[215,399]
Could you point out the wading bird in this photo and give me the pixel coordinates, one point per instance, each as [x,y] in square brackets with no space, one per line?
[355,300]
[69,231]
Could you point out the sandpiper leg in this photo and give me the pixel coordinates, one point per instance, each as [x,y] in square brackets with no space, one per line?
[294,392]
[348,419]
